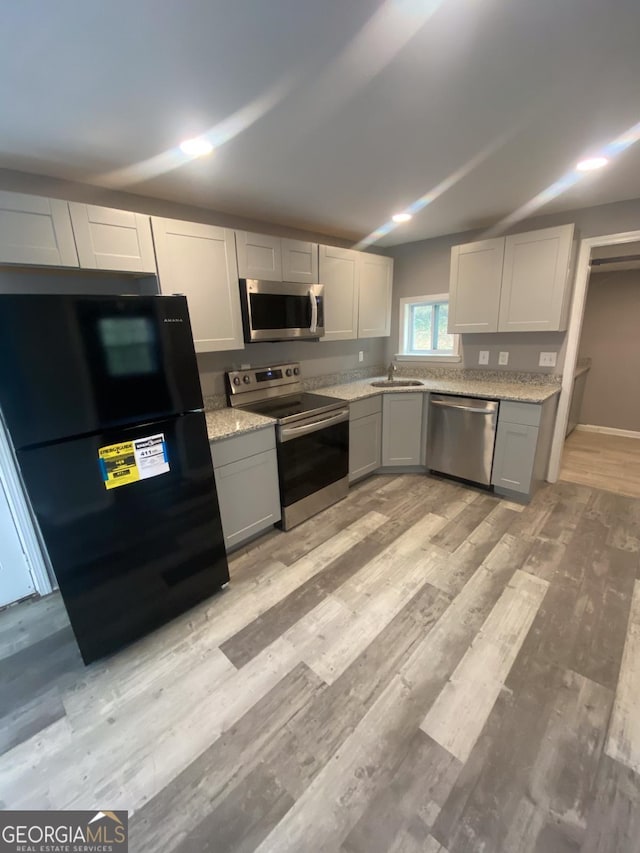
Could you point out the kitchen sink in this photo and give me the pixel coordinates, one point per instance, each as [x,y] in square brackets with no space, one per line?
[396,383]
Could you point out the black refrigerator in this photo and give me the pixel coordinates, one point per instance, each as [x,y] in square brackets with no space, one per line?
[101,397]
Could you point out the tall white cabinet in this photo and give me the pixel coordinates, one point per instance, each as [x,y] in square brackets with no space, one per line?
[339,271]
[36,230]
[200,262]
[535,288]
[374,304]
[474,286]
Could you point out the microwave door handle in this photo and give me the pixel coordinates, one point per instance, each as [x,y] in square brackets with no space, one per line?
[314,312]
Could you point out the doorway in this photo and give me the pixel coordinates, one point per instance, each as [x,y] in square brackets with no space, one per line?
[599,413]
[16,581]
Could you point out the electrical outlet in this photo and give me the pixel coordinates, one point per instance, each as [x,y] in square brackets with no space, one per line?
[483,356]
[548,359]
[503,358]
[361,356]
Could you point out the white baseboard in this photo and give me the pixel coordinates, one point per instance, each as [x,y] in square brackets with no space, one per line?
[625,433]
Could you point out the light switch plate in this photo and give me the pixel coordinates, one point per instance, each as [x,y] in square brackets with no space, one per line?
[548,359]
[360,356]
[483,357]
[503,358]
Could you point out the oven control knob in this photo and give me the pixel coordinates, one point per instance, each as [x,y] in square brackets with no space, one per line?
[296,371]
[236,380]
[246,379]
[288,371]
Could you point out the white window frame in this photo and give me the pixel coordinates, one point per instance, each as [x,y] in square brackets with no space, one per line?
[403,331]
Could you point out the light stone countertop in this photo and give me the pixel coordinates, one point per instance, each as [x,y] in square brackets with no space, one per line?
[515,391]
[223,423]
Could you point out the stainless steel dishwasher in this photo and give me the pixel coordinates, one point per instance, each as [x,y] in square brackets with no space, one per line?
[461,437]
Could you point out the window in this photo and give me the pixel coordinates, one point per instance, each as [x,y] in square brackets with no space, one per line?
[423,328]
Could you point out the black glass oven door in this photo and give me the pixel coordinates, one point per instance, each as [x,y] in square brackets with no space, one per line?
[309,459]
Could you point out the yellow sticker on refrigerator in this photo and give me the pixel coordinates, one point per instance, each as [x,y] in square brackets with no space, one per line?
[131,461]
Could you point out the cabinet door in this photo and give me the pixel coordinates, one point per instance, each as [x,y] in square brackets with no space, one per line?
[374,303]
[259,256]
[109,239]
[535,283]
[200,262]
[401,429]
[36,230]
[474,286]
[249,496]
[340,274]
[514,456]
[365,453]
[299,261]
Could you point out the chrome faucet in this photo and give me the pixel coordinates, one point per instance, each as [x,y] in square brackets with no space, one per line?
[391,370]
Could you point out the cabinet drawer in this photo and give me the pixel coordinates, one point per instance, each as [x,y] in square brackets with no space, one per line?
[238,447]
[527,414]
[362,408]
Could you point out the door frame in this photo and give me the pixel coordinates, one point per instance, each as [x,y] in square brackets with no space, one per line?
[19,507]
[574,330]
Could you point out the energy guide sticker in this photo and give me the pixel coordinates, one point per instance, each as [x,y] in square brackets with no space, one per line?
[131,461]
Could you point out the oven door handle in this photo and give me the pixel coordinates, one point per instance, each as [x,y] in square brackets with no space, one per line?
[314,312]
[287,433]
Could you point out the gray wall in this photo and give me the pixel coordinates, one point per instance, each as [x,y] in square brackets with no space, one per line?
[611,338]
[71,191]
[422,267]
[317,358]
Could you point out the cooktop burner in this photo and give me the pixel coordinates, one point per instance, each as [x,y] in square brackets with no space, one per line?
[295,406]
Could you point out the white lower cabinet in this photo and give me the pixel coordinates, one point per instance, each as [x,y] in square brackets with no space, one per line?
[365,437]
[402,429]
[523,444]
[246,473]
[514,456]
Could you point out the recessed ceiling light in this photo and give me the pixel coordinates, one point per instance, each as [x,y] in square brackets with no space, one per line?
[401,217]
[591,163]
[196,147]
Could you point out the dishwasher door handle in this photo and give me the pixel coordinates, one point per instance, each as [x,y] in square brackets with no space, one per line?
[462,408]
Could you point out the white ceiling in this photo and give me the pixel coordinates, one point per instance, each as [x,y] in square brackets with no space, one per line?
[344,111]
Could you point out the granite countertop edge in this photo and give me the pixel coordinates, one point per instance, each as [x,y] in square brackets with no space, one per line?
[226,423]
[362,388]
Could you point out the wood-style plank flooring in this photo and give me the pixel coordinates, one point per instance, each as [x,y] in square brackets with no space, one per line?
[603,461]
[422,667]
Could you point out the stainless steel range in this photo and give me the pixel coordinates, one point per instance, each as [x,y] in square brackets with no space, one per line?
[312,435]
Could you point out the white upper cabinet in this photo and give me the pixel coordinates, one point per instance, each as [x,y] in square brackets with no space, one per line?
[374,303]
[535,286]
[276,259]
[259,256]
[200,262]
[36,230]
[299,261]
[109,239]
[474,286]
[340,274]
[512,284]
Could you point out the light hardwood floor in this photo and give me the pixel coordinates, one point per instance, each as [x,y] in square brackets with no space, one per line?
[603,461]
[422,667]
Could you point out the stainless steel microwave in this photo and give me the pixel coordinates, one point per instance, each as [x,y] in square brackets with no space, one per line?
[281,310]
